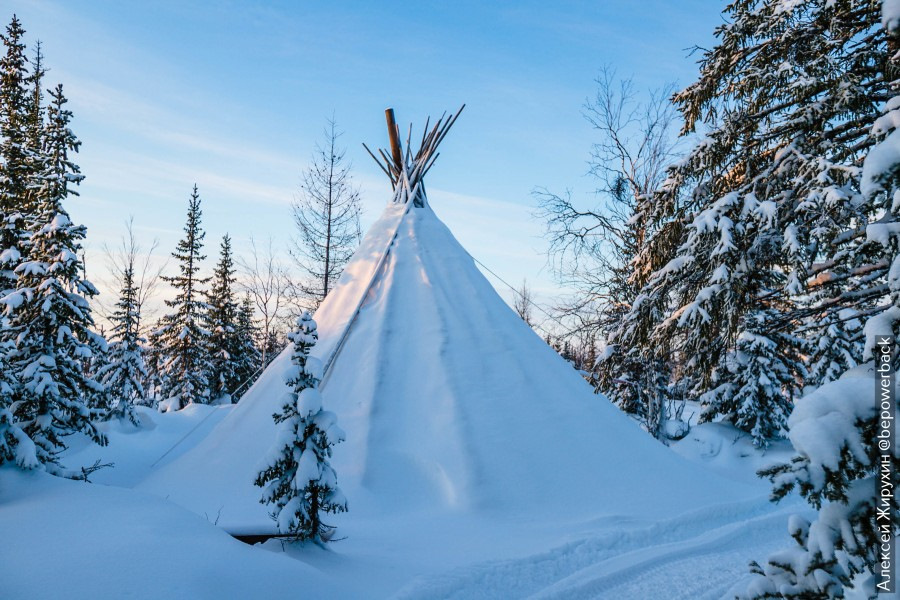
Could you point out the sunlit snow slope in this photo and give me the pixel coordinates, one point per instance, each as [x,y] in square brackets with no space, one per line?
[450,402]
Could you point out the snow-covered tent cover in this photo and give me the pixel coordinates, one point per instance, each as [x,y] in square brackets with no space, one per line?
[450,402]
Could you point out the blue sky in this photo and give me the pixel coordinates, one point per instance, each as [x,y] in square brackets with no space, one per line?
[234,96]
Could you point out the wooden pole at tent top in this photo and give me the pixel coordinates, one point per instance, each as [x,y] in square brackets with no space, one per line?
[394,135]
[407,171]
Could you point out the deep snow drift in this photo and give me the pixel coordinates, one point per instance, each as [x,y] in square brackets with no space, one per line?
[77,540]
[450,403]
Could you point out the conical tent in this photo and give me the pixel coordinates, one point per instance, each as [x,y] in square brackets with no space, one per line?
[449,400]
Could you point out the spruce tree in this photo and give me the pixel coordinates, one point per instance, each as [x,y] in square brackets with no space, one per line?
[124,371]
[834,431]
[880,187]
[247,358]
[182,341]
[298,479]
[154,360]
[224,341]
[49,315]
[15,446]
[34,115]
[755,384]
[17,171]
[834,346]
[764,217]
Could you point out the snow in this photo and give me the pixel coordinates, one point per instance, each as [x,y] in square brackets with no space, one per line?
[882,232]
[309,401]
[93,540]
[823,423]
[767,211]
[730,452]
[10,255]
[307,470]
[882,324]
[880,161]
[462,425]
[890,14]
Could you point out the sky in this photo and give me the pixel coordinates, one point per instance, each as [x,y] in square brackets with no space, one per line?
[234,96]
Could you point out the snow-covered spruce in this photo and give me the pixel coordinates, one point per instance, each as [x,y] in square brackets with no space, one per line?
[834,428]
[298,479]
[124,371]
[835,349]
[15,446]
[153,358]
[49,315]
[881,188]
[221,319]
[834,433]
[17,174]
[753,382]
[182,342]
[247,359]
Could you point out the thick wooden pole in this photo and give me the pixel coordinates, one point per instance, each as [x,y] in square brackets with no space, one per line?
[394,137]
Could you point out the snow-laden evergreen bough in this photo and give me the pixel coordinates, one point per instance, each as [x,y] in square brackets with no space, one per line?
[834,432]
[755,377]
[298,479]
[834,429]
[836,349]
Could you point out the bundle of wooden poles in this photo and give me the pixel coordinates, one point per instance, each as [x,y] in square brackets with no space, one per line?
[406,170]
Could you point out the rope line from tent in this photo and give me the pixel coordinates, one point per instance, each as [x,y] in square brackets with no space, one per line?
[212,412]
[184,437]
[519,294]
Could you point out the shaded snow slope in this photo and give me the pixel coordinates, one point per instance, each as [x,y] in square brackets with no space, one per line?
[75,540]
[135,451]
[450,403]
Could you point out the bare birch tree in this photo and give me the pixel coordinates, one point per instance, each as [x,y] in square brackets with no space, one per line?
[146,271]
[265,279]
[326,214]
[523,302]
[593,243]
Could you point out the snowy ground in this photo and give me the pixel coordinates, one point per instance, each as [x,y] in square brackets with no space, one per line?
[76,540]
[153,549]
[726,450]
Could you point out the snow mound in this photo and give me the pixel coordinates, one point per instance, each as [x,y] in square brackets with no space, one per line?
[93,539]
[450,403]
[730,452]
